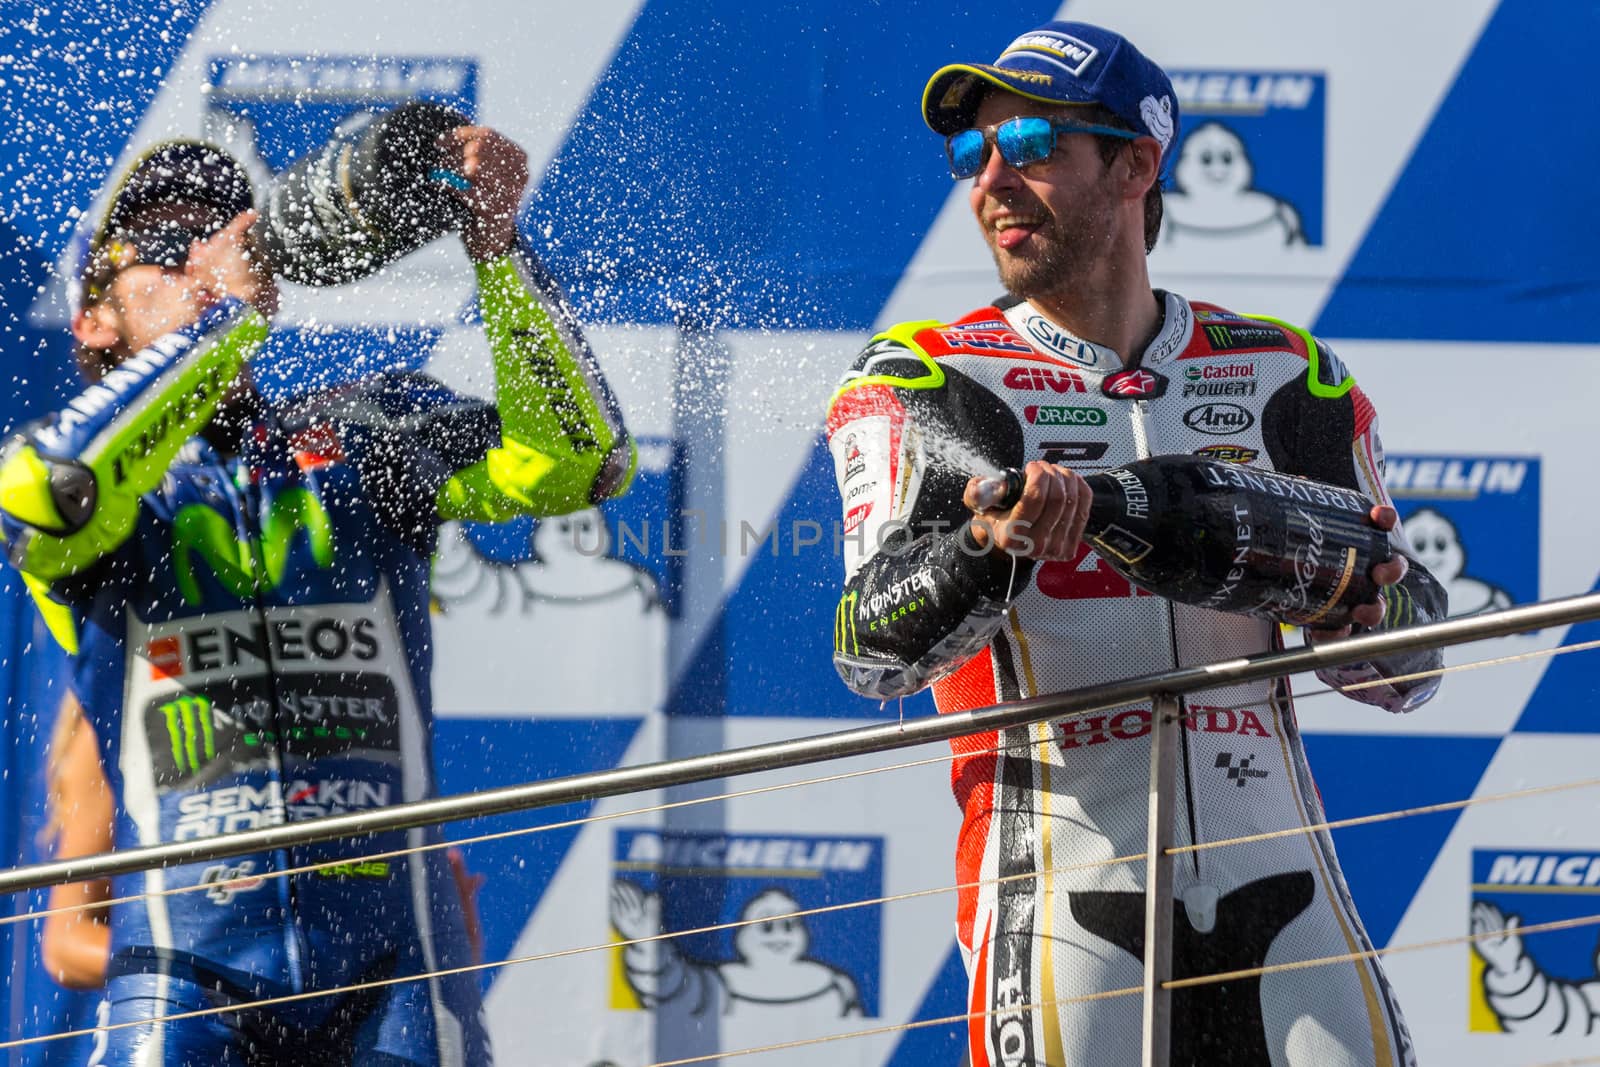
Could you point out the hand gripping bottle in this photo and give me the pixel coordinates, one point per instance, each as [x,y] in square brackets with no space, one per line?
[1234,538]
[364,199]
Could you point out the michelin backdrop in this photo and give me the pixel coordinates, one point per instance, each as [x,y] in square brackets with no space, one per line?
[736,198]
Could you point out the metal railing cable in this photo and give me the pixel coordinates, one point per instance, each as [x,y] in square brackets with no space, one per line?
[1553,613]
[1174,984]
[802,751]
[564,953]
[998,749]
[1135,857]
[102,905]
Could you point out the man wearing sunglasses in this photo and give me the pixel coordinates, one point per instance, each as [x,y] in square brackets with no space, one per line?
[243,584]
[1083,366]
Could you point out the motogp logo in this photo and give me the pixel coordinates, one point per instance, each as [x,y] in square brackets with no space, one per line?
[227,882]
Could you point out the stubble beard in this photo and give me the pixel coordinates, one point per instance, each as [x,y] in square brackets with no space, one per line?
[1066,253]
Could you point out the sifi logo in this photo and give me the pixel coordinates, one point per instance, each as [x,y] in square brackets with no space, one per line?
[1054,339]
[1059,416]
[1135,383]
[1038,379]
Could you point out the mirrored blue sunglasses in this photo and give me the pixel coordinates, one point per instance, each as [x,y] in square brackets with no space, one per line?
[1021,141]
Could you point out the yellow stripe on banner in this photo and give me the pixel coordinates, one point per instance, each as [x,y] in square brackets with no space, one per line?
[623,995]
[1481,1018]
[717,872]
[1479,887]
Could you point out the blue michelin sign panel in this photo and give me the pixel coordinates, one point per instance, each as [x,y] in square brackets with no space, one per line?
[1544,982]
[293,103]
[1473,521]
[824,965]
[1249,165]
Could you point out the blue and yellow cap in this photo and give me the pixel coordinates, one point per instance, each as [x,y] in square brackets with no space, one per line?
[1061,63]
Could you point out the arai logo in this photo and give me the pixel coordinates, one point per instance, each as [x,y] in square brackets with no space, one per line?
[1218,419]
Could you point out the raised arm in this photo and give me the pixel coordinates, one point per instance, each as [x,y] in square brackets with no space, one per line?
[70,483]
[562,442]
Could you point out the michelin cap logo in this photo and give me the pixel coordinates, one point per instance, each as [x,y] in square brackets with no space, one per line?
[1158,119]
[1065,49]
[1061,63]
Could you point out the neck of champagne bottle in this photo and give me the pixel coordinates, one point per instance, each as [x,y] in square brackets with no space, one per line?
[1112,500]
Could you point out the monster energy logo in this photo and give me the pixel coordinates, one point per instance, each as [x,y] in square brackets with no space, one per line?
[243,566]
[1223,338]
[194,744]
[844,624]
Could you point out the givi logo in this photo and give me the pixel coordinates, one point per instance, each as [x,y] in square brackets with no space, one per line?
[1044,378]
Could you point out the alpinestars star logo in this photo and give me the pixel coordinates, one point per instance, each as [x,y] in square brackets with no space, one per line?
[1136,383]
[1238,773]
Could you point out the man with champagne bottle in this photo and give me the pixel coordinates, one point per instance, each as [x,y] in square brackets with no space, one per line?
[243,585]
[1084,368]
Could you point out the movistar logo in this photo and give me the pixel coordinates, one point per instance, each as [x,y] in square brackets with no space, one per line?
[244,565]
[194,744]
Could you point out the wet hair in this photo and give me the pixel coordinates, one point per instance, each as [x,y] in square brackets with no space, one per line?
[1110,147]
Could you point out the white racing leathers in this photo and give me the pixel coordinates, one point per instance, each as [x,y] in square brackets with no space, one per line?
[1053,908]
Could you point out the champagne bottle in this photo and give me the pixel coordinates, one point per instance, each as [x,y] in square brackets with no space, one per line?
[364,199]
[1234,538]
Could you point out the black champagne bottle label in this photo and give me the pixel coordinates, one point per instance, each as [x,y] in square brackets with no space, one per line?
[1120,524]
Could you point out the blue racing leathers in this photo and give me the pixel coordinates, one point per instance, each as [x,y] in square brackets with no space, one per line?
[252,648]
